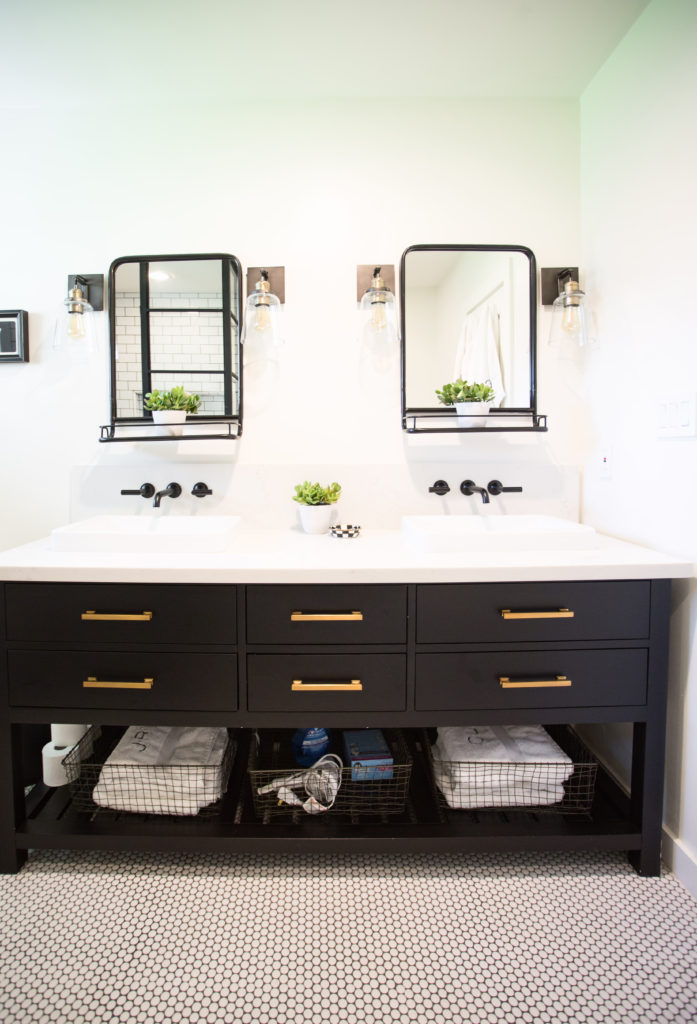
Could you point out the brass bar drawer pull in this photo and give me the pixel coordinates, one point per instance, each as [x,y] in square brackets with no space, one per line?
[354,686]
[92,683]
[560,613]
[527,684]
[326,616]
[92,616]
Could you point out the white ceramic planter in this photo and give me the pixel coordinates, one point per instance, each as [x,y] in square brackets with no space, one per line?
[316,518]
[469,413]
[170,421]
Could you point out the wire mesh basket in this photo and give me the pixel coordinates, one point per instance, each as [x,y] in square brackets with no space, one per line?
[538,786]
[367,796]
[166,789]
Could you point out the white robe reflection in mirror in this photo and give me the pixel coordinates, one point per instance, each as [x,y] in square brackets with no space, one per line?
[477,359]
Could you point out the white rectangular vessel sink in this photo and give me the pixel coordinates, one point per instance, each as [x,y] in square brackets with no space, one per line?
[496,533]
[168,534]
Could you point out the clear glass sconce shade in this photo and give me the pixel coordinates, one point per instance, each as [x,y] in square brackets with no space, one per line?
[569,317]
[262,317]
[75,326]
[378,312]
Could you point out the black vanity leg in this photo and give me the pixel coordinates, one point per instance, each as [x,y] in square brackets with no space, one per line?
[647,797]
[11,798]
[649,747]
[11,859]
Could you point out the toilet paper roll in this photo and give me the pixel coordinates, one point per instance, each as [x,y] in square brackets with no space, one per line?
[67,735]
[52,757]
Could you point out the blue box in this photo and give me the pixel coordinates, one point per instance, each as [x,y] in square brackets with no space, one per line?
[368,754]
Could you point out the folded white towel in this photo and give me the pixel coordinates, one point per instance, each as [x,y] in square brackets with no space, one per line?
[512,743]
[461,796]
[181,770]
[499,766]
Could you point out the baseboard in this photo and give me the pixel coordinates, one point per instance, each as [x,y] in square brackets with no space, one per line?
[681,861]
[675,855]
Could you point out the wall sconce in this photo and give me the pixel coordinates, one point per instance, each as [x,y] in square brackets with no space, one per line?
[263,307]
[76,323]
[378,309]
[561,290]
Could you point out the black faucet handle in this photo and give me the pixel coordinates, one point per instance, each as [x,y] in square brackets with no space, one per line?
[440,487]
[496,487]
[200,490]
[145,491]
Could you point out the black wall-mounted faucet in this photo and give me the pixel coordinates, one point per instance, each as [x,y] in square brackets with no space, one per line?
[469,487]
[170,491]
[145,491]
[440,487]
[496,487]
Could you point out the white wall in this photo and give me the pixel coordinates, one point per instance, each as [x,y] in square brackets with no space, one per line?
[323,186]
[319,187]
[639,218]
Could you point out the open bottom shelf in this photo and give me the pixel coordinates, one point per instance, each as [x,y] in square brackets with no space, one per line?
[51,821]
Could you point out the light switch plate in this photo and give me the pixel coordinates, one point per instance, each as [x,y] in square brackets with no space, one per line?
[677,415]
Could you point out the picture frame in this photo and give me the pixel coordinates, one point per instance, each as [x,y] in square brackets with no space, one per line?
[14,336]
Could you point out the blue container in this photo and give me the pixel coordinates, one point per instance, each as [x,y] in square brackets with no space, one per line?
[368,754]
[309,745]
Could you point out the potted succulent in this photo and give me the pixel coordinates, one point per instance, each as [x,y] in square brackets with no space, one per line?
[169,408]
[316,505]
[469,400]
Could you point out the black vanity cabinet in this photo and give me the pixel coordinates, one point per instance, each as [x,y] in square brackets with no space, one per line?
[402,656]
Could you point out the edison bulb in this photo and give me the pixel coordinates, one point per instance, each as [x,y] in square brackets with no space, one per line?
[378,318]
[262,318]
[378,321]
[76,326]
[571,321]
[568,322]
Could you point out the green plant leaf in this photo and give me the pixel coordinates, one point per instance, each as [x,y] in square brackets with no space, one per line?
[308,493]
[461,391]
[177,398]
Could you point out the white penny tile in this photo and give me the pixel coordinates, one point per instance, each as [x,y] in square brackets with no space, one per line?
[108,938]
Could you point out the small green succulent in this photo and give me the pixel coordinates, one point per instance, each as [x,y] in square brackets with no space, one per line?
[460,391]
[177,398]
[314,494]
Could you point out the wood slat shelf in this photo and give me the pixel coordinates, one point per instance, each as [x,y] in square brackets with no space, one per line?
[51,821]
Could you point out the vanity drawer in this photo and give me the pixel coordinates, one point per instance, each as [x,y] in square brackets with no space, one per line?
[326,682]
[136,680]
[531,679]
[121,613]
[485,612]
[327,614]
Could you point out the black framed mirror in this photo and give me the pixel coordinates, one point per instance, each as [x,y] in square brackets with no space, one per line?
[469,312]
[175,321]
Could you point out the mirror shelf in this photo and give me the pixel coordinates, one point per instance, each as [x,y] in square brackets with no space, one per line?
[193,430]
[428,421]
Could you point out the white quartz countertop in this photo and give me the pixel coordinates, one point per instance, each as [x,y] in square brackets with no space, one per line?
[376,556]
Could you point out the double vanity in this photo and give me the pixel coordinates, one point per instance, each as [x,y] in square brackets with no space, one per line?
[176,619]
[273,630]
